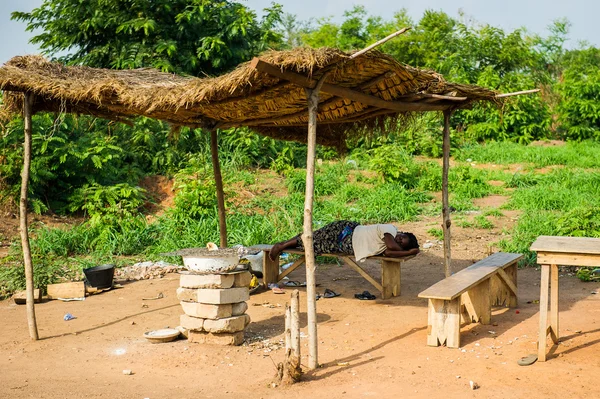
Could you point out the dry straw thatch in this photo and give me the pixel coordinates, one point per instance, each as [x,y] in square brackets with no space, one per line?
[244,97]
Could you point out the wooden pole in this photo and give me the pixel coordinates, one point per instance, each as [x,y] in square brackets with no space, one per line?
[288,326]
[307,236]
[214,150]
[27,111]
[445,205]
[517,93]
[380,42]
[295,323]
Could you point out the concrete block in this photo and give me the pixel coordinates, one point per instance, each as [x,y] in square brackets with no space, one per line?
[239,308]
[206,311]
[191,322]
[228,325]
[187,280]
[183,331]
[216,296]
[201,337]
[242,279]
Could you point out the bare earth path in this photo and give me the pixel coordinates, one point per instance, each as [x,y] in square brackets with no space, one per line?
[367,348]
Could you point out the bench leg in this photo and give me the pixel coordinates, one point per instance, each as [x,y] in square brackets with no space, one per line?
[444,323]
[270,269]
[511,271]
[390,278]
[543,332]
[504,287]
[478,304]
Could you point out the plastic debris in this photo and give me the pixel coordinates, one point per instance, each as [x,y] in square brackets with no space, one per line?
[68,317]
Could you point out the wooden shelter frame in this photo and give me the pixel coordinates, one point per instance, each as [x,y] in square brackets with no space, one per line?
[376,107]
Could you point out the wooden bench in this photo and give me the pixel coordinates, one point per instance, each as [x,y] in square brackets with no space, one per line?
[390,269]
[470,295]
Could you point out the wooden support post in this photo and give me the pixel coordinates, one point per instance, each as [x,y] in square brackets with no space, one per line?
[477,302]
[445,205]
[214,150]
[23,225]
[444,323]
[390,278]
[295,323]
[288,327]
[543,329]
[270,269]
[554,303]
[307,236]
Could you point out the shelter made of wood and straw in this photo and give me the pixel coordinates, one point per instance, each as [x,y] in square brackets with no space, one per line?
[313,96]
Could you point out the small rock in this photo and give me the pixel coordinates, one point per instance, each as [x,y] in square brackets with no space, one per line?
[127,372]
[473,385]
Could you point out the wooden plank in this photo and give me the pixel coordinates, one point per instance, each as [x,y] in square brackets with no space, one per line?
[453,286]
[20,297]
[554,303]
[301,252]
[577,245]
[362,272]
[66,290]
[543,328]
[341,91]
[390,278]
[571,259]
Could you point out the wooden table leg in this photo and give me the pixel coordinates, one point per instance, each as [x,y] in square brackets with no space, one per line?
[270,269]
[543,333]
[554,303]
[390,278]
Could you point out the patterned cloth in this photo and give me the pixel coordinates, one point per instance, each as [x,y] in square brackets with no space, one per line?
[333,238]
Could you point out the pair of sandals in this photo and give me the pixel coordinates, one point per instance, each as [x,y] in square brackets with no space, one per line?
[365,296]
[328,294]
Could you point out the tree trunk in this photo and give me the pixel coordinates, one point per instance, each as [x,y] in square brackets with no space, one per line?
[27,111]
[445,205]
[214,150]
[307,236]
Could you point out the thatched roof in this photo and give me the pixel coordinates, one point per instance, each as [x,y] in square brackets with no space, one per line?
[265,94]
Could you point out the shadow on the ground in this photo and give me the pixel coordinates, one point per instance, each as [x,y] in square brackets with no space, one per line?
[274,326]
[103,325]
[341,363]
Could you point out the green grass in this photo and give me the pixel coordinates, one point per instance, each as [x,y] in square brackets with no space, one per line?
[572,154]
[565,201]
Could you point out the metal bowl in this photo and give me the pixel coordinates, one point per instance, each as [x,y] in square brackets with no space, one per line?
[164,335]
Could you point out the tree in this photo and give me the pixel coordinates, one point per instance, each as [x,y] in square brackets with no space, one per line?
[196,37]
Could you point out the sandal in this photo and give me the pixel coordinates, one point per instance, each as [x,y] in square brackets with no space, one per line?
[277,290]
[527,360]
[329,293]
[365,295]
[294,284]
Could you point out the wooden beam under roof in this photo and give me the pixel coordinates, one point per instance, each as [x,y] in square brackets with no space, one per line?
[343,92]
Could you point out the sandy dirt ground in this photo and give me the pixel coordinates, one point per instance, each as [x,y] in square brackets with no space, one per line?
[366,348]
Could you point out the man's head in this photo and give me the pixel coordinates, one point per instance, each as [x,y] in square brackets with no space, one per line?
[406,240]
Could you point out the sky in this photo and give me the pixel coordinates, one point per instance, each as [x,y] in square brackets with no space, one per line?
[534,15]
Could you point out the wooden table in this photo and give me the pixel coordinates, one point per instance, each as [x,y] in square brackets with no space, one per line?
[551,252]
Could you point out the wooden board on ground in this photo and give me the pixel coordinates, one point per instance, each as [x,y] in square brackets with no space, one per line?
[66,290]
[20,297]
